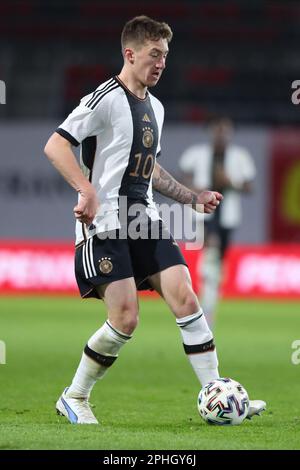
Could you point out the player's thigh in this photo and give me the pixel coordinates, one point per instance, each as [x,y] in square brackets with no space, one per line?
[175,286]
[120,298]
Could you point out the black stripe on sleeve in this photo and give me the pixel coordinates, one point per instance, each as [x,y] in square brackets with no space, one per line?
[98,92]
[99,97]
[67,136]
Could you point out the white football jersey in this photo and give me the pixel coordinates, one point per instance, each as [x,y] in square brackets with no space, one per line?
[239,167]
[119,135]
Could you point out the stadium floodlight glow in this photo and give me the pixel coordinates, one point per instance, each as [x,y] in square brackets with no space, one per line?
[2,92]
[2,352]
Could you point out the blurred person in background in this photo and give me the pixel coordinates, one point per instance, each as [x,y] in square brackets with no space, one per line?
[230,169]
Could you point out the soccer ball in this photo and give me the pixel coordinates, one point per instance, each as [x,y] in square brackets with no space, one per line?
[223,401]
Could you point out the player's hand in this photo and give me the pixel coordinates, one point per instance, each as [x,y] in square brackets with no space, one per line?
[208,201]
[87,206]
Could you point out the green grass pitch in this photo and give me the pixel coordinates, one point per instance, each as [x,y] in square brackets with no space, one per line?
[148,398]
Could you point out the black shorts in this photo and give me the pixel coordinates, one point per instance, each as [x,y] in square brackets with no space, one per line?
[102,260]
[223,235]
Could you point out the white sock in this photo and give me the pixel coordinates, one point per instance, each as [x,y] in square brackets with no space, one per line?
[198,345]
[211,272]
[99,354]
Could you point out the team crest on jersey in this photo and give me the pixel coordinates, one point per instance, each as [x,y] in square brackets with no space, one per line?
[148,137]
[105,265]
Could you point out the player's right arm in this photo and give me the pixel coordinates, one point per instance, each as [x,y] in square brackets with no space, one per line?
[59,151]
[164,183]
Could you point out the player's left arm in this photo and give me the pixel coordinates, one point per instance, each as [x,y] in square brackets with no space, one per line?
[164,183]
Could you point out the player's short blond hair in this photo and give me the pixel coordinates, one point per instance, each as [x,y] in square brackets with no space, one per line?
[142,28]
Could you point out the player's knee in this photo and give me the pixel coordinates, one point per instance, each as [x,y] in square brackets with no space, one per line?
[129,324]
[191,303]
[128,317]
[187,304]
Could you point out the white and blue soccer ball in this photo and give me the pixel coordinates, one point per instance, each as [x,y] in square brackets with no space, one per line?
[223,401]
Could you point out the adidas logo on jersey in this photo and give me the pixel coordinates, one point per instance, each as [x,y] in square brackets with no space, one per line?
[146,118]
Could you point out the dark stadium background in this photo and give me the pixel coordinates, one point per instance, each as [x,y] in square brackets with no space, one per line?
[232,58]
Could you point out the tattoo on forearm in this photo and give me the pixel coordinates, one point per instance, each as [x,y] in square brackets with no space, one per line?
[165,184]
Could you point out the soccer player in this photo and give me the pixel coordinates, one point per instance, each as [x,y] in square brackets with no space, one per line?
[229,169]
[119,128]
